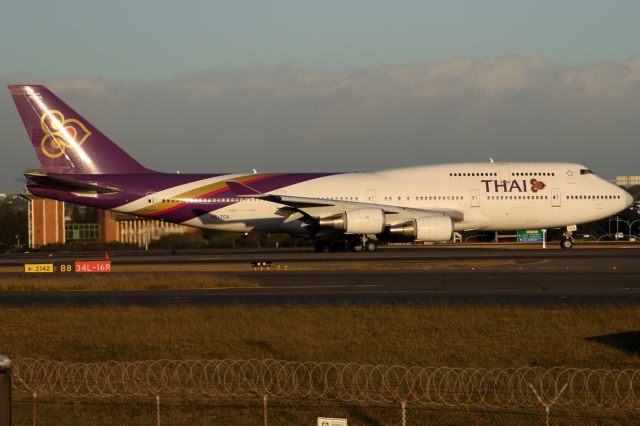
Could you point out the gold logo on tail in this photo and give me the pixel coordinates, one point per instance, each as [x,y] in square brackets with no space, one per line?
[61,133]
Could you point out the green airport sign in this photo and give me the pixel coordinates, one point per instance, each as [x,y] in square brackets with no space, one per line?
[530,236]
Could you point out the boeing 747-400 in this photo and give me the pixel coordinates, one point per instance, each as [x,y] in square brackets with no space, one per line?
[81,165]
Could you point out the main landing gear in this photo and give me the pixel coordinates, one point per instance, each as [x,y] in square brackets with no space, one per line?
[362,243]
[357,244]
[567,238]
[369,245]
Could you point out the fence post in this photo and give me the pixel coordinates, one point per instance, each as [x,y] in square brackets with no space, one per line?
[158,410]
[547,406]
[5,391]
[403,405]
[264,410]
[34,413]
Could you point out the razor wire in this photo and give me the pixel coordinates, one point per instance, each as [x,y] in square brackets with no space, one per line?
[344,382]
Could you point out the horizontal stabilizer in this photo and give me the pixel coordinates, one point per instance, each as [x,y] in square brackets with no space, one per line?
[56,182]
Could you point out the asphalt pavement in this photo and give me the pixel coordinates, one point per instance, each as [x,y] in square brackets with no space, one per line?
[399,276]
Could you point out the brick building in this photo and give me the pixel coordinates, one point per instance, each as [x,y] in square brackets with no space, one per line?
[46,222]
[48,225]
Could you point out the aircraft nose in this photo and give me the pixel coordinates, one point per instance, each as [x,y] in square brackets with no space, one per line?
[628,199]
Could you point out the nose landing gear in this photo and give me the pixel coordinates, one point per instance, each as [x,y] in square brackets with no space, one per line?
[566,243]
[567,238]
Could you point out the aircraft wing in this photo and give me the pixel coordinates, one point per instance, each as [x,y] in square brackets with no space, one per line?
[311,209]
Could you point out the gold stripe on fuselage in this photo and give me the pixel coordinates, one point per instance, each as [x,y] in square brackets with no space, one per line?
[166,204]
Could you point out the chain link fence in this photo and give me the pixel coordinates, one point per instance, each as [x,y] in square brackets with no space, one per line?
[273,392]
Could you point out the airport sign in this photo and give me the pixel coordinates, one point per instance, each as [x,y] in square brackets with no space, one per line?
[85,266]
[39,267]
[93,266]
[327,421]
[530,236]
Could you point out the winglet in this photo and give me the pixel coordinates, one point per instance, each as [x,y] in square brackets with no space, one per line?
[242,190]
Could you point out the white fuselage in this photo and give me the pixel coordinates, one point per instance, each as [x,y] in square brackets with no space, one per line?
[491,196]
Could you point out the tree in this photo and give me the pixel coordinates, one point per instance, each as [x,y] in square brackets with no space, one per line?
[13,224]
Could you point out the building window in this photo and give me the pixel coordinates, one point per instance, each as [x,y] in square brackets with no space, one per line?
[82,231]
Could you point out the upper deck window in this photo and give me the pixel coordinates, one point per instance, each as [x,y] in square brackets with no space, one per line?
[585,172]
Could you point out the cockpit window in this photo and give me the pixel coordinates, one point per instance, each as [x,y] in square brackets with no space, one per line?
[586,172]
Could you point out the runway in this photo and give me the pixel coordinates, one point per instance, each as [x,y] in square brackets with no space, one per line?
[372,287]
[395,276]
[385,254]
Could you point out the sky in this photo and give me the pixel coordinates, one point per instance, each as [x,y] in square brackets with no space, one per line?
[213,86]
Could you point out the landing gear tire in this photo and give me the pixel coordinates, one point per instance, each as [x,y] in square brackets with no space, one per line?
[566,243]
[357,247]
[371,245]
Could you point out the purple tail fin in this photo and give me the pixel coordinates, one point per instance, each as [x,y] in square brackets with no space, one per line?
[64,141]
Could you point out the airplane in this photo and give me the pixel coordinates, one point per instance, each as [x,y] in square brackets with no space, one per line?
[354,211]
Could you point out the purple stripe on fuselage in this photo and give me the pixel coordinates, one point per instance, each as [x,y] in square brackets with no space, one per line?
[274,183]
[135,186]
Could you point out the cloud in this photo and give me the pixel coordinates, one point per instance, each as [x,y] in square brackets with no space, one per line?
[512,108]
[79,85]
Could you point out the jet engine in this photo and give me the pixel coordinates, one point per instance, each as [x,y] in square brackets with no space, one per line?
[429,228]
[366,220]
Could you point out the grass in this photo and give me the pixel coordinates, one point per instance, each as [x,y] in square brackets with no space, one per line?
[116,282]
[438,335]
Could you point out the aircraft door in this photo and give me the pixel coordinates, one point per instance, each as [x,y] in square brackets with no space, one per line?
[475,198]
[152,202]
[371,196]
[556,197]
[152,197]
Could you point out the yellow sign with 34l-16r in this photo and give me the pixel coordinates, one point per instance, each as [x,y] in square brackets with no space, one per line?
[39,267]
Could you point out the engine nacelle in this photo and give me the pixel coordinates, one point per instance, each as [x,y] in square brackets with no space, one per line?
[367,220]
[429,228]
